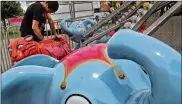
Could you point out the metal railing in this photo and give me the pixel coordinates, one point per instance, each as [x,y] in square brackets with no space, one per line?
[5,58]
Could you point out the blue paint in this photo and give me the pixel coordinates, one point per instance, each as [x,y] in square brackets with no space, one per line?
[104,39]
[160,61]
[38,60]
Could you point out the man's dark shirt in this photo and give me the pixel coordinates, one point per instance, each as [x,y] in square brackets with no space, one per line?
[33,12]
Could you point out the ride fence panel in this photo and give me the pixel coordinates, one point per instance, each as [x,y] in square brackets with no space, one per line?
[5,58]
[170,32]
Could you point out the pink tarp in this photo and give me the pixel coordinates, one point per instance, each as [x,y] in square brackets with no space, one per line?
[15,21]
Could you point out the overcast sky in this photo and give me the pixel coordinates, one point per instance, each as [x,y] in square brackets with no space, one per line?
[23,5]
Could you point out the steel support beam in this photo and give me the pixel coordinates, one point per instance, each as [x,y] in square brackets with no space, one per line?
[114,27]
[105,32]
[72,9]
[106,19]
[146,15]
[159,22]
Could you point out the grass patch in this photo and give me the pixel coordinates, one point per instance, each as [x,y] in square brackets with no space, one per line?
[13,32]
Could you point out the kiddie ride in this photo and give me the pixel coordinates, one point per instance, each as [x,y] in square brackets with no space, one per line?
[24,47]
[21,48]
[131,68]
[77,29]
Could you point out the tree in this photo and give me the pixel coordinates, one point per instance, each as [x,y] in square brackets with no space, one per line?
[10,9]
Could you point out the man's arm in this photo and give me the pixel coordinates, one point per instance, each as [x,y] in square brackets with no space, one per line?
[35,27]
[37,16]
[51,23]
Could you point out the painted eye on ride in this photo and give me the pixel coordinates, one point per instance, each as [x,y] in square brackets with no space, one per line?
[20,46]
[9,49]
[78,26]
[77,99]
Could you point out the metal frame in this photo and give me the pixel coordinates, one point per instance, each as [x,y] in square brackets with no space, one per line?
[64,2]
[77,18]
[105,32]
[152,28]
[84,10]
[106,19]
[160,21]
[82,2]
[132,12]
[5,59]
[72,9]
[77,2]
[146,16]
[162,5]
[117,26]
[61,13]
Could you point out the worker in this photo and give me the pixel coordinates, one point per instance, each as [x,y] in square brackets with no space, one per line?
[35,18]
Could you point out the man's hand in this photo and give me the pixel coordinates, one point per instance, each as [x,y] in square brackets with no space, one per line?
[51,23]
[56,38]
[56,35]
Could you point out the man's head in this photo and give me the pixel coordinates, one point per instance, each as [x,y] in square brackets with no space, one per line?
[52,6]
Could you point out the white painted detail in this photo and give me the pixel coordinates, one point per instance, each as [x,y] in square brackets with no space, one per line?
[77,100]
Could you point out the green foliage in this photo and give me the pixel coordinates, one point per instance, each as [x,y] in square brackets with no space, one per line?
[10,9]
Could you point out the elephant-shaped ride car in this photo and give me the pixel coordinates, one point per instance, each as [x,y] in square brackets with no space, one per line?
[77,29]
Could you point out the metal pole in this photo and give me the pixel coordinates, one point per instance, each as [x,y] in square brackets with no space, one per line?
[6,50]
[73,9]
[1,51]
[4,54]
[47,33]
